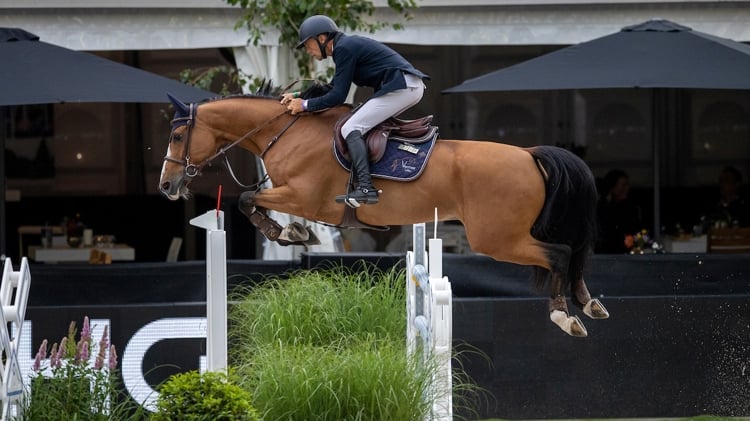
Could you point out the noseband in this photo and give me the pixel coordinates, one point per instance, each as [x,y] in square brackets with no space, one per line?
[192,170]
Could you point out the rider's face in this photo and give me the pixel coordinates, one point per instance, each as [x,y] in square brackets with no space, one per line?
[312,48]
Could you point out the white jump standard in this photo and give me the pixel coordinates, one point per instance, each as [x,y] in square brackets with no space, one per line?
[429,323]
[14,295]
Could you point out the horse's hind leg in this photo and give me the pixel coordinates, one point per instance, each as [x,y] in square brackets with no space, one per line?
[558,313]
[551,262]
[293,234]
[591,307]
[559,260]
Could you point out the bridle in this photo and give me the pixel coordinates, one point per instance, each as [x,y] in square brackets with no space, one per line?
[192,170]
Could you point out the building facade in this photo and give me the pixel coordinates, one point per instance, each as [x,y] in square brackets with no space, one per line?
[450,40]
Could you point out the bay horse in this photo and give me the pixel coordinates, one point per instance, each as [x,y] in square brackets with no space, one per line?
[529,206]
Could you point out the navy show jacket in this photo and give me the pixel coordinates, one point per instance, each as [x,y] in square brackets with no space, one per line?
[365,62]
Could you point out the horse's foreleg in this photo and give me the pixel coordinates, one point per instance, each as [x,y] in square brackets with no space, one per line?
[267,226]
[591,307]
[293,234]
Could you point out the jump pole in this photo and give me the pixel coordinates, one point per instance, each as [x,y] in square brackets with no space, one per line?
[216,287]
[429,323]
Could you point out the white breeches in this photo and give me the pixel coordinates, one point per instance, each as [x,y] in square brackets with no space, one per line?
[377,110]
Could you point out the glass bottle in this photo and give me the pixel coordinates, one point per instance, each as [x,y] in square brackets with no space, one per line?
[74,230]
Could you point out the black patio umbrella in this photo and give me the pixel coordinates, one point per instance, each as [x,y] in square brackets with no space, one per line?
[36,72]
[654,54]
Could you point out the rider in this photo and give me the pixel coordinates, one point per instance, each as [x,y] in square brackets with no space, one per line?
[397,85]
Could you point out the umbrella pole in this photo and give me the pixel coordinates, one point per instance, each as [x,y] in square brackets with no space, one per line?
[655,156]
[658,127]
[657,203]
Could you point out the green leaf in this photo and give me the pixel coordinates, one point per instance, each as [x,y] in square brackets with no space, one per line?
[286,16]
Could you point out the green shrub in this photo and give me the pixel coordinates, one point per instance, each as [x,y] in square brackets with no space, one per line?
[193,396]
[328,345]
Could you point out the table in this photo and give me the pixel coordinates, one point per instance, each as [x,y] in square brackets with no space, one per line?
[57,232]
[688,245]
[59,254]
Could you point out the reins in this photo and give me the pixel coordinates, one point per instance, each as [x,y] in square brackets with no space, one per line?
[192,170]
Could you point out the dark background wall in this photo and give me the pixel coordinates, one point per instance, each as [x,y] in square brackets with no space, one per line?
[676,343]
[148,222]
[145,222]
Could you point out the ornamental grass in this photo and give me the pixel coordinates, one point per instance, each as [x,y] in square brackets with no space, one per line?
[329,345]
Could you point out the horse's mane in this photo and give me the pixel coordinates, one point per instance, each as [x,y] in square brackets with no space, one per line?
[270,91]
[267,90]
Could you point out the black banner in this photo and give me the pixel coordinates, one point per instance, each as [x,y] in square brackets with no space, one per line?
[676,343]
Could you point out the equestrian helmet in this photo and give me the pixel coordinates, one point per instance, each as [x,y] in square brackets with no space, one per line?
[314,26]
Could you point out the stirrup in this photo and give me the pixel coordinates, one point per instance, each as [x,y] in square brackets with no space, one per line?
[355,202]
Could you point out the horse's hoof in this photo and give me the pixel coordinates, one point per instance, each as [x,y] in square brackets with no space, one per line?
[577,328]
[571,325]
[294,233]
[312,239]
[595,309]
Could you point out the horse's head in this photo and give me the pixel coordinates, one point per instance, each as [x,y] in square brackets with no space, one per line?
[255,122]
[184,159]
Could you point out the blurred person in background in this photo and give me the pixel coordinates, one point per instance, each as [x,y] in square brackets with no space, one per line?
[617,216]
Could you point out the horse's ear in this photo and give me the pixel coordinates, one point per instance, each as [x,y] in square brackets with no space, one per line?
[181,107]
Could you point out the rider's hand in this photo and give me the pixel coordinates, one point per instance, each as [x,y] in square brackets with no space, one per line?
[288,97]
[296,105]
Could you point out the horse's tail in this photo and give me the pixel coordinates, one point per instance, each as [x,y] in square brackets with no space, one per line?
[569,214]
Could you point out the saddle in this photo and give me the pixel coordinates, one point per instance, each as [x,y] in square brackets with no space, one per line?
[409,132]
[413,131]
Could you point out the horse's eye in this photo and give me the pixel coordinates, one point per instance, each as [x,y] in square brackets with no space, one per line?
[176,137]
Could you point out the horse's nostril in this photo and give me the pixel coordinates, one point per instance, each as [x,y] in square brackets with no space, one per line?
[165,186]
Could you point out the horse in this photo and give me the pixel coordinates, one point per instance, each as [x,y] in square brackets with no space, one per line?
[530,206]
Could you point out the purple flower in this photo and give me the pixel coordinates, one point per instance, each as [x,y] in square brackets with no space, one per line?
[40,355]
[86,330]
[53,358]
[63,349]
[112,358]
[61,352]
[82,352]
[99,363]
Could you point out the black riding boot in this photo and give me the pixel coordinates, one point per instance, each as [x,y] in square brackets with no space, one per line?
[365,193]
